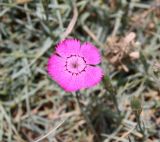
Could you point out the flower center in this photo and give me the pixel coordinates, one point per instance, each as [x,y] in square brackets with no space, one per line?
[75,64]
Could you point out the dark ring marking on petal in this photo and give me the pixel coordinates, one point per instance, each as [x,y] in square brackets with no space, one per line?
[91,65]
[73,73]
[58,54]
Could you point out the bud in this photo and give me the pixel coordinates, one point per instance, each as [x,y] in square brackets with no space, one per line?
[136,105]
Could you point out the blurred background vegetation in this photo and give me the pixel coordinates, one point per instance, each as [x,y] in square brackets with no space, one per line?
[127,32]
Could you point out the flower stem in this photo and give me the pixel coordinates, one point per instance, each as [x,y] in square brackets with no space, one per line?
[88,121]
[114,99]
[136,106]
[109,87]
[141,130]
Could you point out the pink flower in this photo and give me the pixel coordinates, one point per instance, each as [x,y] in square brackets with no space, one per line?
[73,66]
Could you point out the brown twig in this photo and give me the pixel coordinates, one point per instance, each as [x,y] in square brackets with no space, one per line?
[73,21]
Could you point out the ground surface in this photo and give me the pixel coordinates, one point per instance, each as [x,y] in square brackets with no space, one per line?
[33,106]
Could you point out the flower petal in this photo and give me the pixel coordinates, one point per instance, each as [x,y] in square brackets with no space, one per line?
[57,70]
[56,65]
[73,84]
[92,76]
[68,47]
[90,53]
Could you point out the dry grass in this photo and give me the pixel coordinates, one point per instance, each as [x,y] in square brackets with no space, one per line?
[32,106]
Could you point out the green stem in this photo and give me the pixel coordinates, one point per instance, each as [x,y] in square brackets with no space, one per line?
[89,123]
[114,99]
[109,87]
[139,125]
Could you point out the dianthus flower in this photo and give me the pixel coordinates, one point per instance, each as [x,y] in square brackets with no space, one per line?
[73,66]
